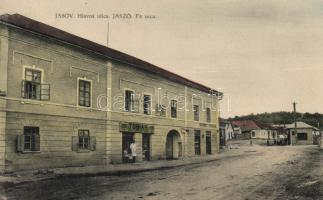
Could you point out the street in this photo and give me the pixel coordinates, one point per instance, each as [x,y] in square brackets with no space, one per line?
[277,172]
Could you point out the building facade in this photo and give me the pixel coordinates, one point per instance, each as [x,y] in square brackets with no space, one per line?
[66,101]
[257,132]
[246,128]
[304,134]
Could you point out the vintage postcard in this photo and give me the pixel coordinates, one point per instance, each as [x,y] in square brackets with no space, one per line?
[108,99]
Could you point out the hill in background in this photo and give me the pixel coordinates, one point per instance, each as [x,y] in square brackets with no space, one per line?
[314,119]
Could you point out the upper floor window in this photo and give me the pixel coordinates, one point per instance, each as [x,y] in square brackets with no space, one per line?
[84,93]
[208,114]
[129,101]
[173,109]
[147,104]
[32,87]
[196,113]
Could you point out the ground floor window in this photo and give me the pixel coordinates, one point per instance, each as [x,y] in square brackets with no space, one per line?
[302,136]
[29,140]
[197,142]
[84,139]
[31,136]
[83,142]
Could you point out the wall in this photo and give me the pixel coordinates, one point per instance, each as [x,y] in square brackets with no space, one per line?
[3,87]
[55,141]
[309,133]
[161,91]
[264,134]
[59,118]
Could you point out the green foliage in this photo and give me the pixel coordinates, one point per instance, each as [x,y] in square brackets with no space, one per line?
[284,118]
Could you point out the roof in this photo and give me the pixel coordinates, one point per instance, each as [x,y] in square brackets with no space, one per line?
[26,23]
[246,125]
[266,126]
[300,125]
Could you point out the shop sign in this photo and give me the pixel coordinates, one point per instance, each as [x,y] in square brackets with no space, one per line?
[135,127]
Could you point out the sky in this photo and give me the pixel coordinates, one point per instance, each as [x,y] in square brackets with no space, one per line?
[263,55]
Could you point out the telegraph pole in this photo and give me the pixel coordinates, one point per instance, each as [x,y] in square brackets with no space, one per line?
[295,123]
[108,33]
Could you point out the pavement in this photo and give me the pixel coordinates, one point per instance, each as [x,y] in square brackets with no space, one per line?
[233,150]
[248,172]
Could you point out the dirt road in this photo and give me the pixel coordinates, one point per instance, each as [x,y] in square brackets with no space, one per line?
[266,173]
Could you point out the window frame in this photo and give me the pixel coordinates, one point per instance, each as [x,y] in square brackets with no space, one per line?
[150,104]
[171,108]
[32,138]
[78,92]
[131,103]
[83,139]
[40,85]
[302,138]
[33,67]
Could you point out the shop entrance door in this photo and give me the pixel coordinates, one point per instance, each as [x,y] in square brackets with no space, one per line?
[208,143]
[127,138]
[173,145]
[146,147]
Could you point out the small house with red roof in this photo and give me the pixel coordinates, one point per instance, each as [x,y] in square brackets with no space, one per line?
[254,130]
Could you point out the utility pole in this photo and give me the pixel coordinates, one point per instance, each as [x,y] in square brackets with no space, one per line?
[295,124]
[108,34]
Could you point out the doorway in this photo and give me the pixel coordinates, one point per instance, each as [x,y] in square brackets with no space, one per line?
[127,138]
[173,145]
[146,147]
[208,143]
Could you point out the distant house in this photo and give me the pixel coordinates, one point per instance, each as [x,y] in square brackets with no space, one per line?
[248,128]
[304,134]
[268,132]
[226,132]
[256,131]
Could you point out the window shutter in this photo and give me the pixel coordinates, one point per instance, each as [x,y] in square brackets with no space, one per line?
[75,143]
[45,92]
[20,143]
[92,143]
[37,142]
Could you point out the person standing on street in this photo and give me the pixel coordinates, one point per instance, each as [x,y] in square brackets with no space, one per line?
[133,148]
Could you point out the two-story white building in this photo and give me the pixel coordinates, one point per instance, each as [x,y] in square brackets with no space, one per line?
[67,101]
